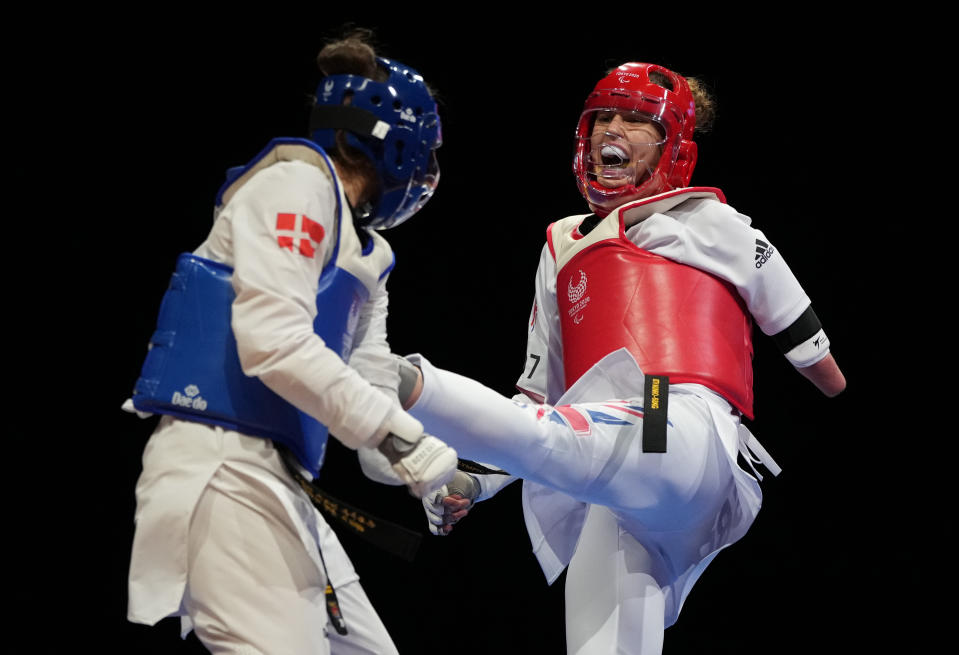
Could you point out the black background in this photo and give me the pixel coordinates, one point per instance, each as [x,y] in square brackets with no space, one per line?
[148,117]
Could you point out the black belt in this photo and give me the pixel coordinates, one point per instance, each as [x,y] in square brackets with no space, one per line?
[389,536]
[654,413]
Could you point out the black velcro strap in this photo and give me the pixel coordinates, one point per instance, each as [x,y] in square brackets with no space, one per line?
[656,400]
[475,468]
[344,117]
[802,329]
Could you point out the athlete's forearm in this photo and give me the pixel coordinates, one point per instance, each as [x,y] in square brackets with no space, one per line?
[825,374]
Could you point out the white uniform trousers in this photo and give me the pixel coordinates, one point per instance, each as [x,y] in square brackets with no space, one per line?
[229,543]
[654,521]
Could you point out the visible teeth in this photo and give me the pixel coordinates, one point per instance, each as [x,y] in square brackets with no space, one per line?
[613,151]
[613,155]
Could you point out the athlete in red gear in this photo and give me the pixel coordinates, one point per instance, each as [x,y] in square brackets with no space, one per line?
[638,371]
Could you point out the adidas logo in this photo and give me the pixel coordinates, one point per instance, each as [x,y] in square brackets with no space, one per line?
[763,252]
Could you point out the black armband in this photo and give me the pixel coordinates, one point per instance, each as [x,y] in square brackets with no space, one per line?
[802,329]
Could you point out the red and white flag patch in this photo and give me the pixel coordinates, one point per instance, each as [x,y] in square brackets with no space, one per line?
[297,233]
[576,420]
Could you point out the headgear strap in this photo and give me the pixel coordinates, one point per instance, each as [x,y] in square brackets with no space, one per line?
[344,117]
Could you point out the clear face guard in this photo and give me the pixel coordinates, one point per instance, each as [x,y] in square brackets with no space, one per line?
[409,198]
[624,147]
[423,185]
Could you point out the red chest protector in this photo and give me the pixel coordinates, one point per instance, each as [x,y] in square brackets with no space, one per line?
[675,319]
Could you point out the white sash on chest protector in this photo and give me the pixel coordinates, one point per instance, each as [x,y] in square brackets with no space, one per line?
[192,369]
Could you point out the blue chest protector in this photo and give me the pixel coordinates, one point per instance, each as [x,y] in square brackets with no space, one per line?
[192,369]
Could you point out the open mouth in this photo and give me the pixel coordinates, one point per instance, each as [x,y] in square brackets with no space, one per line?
[612,164]
[614,156]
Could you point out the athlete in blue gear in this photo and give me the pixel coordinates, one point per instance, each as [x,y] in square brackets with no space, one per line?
[272,332]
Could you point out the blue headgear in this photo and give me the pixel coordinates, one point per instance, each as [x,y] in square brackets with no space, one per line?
[396,125]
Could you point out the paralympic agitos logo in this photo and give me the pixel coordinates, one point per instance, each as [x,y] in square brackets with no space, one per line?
[575,294]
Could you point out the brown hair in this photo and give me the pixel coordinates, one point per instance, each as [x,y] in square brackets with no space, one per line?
[353,54]
[705,104]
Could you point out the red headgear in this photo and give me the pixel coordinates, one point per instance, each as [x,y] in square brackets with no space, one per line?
[630,89]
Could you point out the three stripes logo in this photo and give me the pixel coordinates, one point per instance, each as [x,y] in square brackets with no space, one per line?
[763,252]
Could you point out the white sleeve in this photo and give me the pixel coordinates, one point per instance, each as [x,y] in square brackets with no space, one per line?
[543,378]
[715,238]
[371,356]
[490,485]
[276,284]
[373,360]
